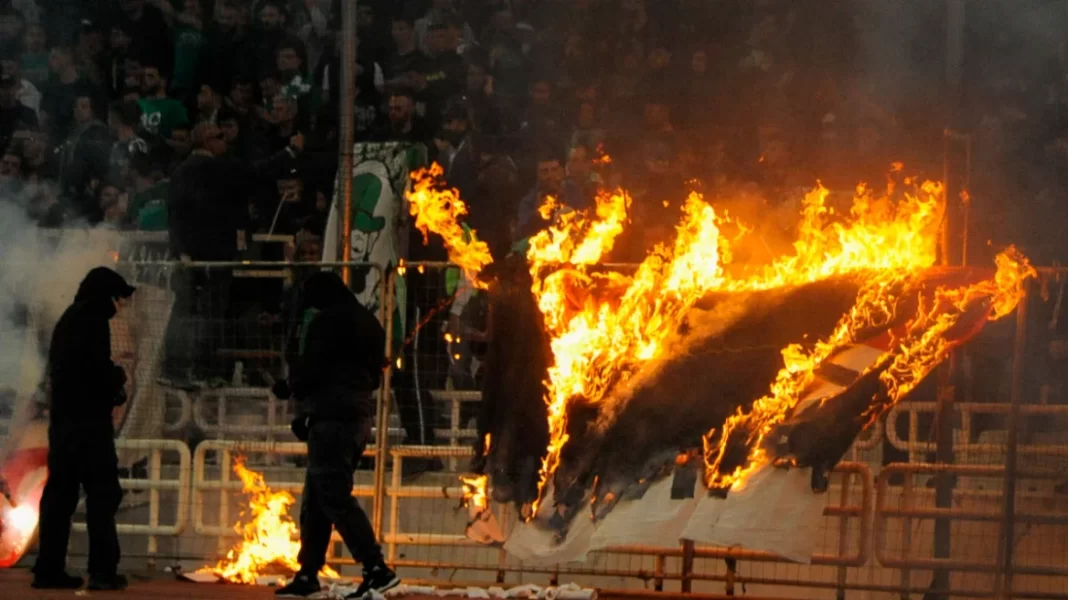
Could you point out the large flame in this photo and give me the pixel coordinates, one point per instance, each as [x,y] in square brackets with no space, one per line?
[439,209]
[604,326]
[909,360]
[599,345]
[270,540]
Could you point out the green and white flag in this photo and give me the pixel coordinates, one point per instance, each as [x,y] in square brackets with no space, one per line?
[380,178]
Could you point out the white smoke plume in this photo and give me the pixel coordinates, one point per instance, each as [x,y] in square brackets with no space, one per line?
[40,270]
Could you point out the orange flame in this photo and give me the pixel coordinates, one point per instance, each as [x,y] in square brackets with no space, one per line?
[912,358]
[439,209]
[475,491]
[269,538]
[605,327]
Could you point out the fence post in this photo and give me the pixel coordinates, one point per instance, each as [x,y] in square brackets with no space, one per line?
[686,574]
[382,419]
[1008,522]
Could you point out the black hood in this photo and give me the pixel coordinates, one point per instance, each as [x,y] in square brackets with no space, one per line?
[102,285]
[325,290]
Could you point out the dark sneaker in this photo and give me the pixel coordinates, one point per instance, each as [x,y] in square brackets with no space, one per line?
[57,581]
[302,586]
[107,582]
[376,581]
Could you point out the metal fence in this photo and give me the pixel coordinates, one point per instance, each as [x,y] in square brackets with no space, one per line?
[900,519]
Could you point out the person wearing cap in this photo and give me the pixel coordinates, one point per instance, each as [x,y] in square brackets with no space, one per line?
[86,385]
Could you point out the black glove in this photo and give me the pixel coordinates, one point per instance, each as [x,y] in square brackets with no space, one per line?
[299,427]
[281,390]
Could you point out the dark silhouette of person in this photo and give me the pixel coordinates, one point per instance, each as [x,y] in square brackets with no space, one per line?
[86,386]
[333,378]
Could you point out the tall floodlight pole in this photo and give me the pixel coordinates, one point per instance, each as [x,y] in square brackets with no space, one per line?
[345,135]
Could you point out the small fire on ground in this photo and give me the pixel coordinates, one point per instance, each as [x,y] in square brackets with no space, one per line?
[270,539]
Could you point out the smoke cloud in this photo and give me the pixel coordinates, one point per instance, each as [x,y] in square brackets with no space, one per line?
[40,270]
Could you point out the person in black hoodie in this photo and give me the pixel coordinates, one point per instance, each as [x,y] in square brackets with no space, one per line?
[333,378]
[86,386]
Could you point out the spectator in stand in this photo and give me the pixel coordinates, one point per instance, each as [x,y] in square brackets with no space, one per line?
[228,49]
[550,183]
[12,26]
[25,91]
[209,103]
[458,157]
[57,101]
[112,203]
[13,114]
[406,64]
[372,30]
[446,74]
[232,126]
[369,82]
[189,44]
[161,114]
[240,97]
[580,172]
[11,175]
[83,160]
[35,56]
[269,32]
[147,208]
[123,119]
[147,25]
[119,46]
[440,11]
[89,53]
[404,124]
[487,114]
[588,130]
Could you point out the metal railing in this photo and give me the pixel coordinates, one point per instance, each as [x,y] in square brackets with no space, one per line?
[154,484]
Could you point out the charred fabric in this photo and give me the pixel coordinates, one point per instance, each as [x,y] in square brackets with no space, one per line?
[660,433]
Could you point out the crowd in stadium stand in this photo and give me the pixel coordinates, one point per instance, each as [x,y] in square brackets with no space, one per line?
[218,119]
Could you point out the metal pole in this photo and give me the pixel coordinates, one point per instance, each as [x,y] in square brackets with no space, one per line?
[345,135]
[384,397]
[1008,523]
[947,391]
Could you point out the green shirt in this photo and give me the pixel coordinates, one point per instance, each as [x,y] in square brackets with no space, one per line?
[187,45]
[161,115]
[148,209]
[35,68]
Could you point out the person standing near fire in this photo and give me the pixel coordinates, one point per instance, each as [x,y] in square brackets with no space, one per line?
[86,387]
[333,378]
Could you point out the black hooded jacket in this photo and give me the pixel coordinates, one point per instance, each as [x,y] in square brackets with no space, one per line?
[86,384]
[341,354]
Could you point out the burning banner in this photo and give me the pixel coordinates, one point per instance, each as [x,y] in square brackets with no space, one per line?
[680,353]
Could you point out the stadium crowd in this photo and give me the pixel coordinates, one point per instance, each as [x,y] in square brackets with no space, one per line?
[216,120]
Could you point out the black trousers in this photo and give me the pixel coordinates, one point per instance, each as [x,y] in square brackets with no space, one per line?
[333,450]
[82,455]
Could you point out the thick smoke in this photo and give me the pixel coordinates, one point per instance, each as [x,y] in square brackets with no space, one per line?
[40,271]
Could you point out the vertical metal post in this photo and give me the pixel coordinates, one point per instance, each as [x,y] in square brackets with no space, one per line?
[346,120]
[382,421]
[947,392]
[1008,522]
[686,576]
